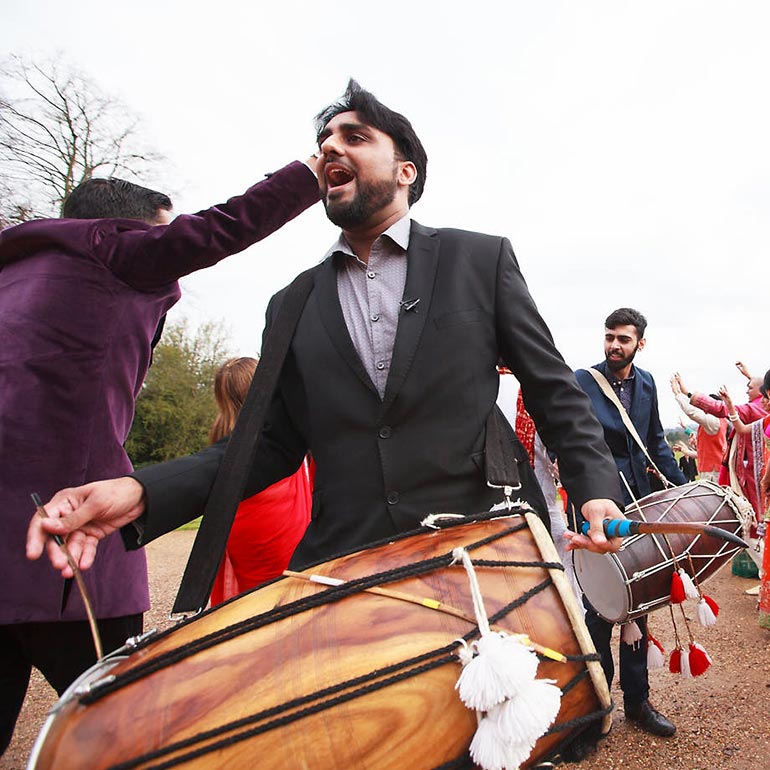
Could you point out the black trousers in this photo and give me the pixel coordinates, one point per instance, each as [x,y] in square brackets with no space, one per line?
[633,659]
[60,651]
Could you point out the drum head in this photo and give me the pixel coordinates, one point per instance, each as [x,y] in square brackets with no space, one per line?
[603,582]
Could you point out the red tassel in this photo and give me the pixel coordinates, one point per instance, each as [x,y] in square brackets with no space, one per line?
[675,661]
[652,640]
[711,603]
[677,589]
[699,660]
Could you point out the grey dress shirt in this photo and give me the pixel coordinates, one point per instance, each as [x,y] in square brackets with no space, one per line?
[371,294]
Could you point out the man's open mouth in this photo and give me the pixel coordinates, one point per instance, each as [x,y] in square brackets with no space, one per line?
[336,175]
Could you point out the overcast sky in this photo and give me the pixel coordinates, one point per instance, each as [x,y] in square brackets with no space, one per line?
[621,146]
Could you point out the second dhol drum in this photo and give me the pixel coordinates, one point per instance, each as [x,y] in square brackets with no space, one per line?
[636,580]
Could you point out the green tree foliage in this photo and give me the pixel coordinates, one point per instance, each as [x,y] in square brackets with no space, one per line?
[675,434]
[176,407]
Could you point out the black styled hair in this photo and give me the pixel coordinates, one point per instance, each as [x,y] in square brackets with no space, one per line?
[114,198]
[374,113]
[765,389]
[627,316]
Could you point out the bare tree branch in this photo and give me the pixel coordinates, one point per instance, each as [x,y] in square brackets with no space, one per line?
[57,129]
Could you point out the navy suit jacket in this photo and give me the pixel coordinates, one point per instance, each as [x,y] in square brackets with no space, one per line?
[628,455]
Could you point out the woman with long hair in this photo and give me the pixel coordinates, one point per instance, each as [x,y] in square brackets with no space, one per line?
[269,525]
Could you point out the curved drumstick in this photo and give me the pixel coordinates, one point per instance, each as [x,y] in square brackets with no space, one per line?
[628,527]
[41,511]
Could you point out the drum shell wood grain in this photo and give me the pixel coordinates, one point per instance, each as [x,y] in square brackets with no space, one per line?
[418,721]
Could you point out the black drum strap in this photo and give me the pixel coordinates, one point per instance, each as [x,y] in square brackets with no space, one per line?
[501,467]
[229,485]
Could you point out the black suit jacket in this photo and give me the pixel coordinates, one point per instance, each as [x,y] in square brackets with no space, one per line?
[383,464]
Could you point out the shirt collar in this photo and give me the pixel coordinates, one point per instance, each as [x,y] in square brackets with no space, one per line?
[399,232]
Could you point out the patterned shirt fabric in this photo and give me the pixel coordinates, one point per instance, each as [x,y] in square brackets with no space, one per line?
[624,389]
[370,296]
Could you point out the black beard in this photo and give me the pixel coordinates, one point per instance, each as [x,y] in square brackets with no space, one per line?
[616,364]
[369,200]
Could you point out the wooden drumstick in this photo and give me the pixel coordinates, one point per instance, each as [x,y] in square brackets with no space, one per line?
[431,604]
[628,527]
[41,511]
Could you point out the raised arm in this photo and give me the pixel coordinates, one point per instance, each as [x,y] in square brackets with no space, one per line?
[709,422]
[146,258]
[732,414]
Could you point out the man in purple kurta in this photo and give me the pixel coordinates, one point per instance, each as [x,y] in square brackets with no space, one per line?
[80,302]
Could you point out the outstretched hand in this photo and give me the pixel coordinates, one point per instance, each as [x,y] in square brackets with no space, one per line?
[595,512]
[312,163]
[743,369]
[677,385]
[726,397]
[83,516]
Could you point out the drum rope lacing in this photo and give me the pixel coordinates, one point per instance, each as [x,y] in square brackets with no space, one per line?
[365,684]
[669,558]
[281,612]
[342,691]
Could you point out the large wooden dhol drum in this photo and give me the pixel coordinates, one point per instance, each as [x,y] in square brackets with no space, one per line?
[625,585]
[298,674]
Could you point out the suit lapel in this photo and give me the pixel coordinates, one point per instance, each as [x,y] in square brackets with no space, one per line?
[420,278]
[636,401]
[330,310]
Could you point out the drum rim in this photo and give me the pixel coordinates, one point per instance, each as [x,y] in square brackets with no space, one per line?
[575,614]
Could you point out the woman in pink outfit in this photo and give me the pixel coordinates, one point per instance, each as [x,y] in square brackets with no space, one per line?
[762,427]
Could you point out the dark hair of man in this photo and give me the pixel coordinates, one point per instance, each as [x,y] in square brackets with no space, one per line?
[627,316]
[374,113]
[114,198]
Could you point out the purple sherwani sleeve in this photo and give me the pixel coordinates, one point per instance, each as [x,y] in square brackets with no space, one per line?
[146,259]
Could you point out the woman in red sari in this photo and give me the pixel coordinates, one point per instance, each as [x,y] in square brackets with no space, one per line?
[269,525]
[761,432]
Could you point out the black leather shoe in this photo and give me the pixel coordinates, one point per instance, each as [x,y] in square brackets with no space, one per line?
[650,720]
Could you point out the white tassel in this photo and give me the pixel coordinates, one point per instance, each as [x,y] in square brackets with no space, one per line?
[488,749]
[465,653]
[630,634]
[500,680]
[526,717]
[655,657]
[706,616]
[690,591]
[502,668]
[685,662]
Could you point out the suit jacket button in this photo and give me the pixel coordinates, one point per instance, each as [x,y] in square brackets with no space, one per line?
[385,431]
[392,498]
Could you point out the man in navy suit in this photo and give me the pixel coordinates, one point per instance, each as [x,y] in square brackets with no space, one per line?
[635,389]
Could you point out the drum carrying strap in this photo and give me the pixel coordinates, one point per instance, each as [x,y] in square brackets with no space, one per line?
[230,482]
[602,382]
[501,469]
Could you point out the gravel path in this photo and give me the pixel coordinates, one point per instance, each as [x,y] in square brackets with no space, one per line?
[722,716]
